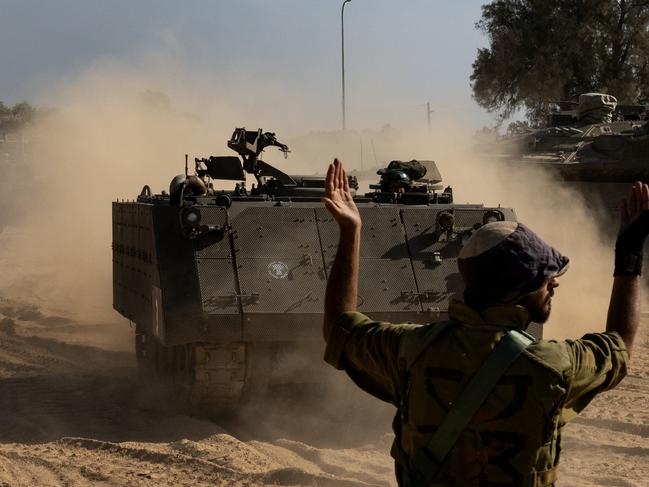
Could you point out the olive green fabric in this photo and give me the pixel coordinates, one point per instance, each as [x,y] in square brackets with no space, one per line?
[424,464]
[515,438]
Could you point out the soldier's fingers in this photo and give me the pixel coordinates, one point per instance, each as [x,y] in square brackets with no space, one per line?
[637,195]
[329,184]
[645,197]
[345,182]
[341,176]
[337,173]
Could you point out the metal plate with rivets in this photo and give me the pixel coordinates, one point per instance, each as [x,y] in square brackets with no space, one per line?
[387,285]
[281,285]
[437,283]
[422,241]
[382,235]
[217,283]
[273,232]
[468,218]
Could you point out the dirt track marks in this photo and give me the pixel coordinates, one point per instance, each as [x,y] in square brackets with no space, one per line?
[82,461]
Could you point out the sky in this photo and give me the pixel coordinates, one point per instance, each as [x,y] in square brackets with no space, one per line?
[284,55]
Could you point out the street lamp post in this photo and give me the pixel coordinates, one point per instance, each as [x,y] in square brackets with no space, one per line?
[428,112]
[342,37]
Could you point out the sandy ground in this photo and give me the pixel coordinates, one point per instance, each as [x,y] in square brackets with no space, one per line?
[76,414]
[73,413]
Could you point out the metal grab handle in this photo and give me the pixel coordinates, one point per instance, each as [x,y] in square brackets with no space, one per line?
[425,294]
[245,295]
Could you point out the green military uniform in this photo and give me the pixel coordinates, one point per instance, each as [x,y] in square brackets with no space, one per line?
[515,437]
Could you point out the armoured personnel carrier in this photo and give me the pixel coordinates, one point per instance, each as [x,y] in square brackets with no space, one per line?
[594,145]
[226,287]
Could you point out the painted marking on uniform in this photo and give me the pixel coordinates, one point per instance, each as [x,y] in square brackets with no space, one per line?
[278,269]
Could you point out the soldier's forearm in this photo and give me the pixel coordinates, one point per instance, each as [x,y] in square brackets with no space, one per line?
[342,286]
[624,308]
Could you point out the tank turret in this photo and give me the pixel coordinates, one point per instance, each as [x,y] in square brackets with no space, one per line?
[594,145]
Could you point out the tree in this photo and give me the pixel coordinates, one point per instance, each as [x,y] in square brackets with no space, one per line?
[16,117]
[546,50]
[23,112]
[518,128]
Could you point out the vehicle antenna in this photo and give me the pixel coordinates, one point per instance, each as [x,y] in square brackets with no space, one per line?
[376,163]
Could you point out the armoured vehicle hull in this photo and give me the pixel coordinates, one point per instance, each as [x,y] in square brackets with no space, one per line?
[226,289]
[594,146]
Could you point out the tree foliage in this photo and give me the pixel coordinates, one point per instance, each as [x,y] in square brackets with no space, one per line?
[545,50]
[15,117]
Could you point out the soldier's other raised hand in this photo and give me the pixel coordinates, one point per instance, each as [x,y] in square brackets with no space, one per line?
[338,199]
[633,231]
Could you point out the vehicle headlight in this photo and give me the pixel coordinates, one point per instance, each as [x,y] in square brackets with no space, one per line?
[446,220]
[191,216]
[491,216]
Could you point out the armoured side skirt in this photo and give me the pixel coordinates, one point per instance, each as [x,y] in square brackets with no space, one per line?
[270,327]
[299,327]
[280,327]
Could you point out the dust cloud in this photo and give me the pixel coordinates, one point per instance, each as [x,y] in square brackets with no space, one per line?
[561,216]
[111,133]
[112,130]
[116,130]
[558,213]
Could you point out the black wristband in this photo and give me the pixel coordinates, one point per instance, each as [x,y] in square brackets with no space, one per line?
[628,264]
[630,244]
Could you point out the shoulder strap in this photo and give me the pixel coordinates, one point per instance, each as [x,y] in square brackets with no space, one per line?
[425,462]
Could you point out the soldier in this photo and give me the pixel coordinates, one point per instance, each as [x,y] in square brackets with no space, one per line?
[394,181]
[399,176]
[479,401]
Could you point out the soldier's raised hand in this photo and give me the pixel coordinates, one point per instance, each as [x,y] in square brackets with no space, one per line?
[633,231]
[338,199]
